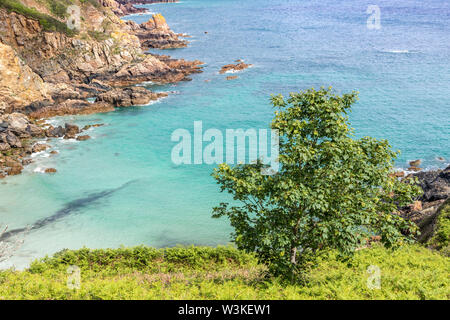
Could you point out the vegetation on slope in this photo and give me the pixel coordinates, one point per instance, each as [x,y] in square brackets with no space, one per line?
[412,272]
[441,238]
[47,22]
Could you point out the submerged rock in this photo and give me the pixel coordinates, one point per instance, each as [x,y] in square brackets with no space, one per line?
[83,138]
[415,163]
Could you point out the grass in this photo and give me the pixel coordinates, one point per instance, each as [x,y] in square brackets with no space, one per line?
[58,8]
[412,272]
[47,22]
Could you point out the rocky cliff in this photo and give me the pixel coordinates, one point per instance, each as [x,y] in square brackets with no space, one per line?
[48,68]
[426,211]
[104,49]
[155,33]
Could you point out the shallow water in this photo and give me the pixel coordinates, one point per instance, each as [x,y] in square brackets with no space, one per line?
[121,188]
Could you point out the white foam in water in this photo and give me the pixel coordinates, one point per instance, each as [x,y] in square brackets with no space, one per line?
[396,51]
[39,170]
[140,14]
[145,83]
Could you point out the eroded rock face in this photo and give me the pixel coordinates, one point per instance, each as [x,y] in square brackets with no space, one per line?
[125,97]
[155,33]
[19,85]
[63,71]
[425,212]
[52,73]
[121,9]
[435,184]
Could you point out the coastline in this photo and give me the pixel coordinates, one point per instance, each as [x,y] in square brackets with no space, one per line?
[91,75]
[191,56]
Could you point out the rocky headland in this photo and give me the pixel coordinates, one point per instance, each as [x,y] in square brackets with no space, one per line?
[48,69]
[239,66]
[426,211]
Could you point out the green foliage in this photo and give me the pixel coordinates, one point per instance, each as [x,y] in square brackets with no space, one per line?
[333,191]
[412,272]
[144,259]
[58,7]
[97,35]
[47,22]
[441,238]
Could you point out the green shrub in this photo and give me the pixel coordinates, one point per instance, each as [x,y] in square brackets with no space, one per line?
[47,22]
[412,272]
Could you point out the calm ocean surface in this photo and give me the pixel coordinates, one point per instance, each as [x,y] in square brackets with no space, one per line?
[121,188]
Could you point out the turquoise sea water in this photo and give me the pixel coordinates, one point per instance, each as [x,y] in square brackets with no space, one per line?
[121,188]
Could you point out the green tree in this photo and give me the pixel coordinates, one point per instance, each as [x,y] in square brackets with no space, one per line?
[332,191]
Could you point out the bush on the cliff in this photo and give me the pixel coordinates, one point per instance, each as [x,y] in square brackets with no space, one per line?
[332,191]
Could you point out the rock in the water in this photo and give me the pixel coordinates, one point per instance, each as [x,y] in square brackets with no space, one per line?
[39,147]
[126,97]
[415,169]
[57,132]
[87,127]
[50,170]
[415,163]
[234,67]
[155,33]
[232,77]
[71,131]
[83,138]
[14,167]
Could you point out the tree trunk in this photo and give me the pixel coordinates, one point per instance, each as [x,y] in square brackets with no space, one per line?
[294,255]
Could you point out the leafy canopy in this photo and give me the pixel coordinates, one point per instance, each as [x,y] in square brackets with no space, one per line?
[332,191]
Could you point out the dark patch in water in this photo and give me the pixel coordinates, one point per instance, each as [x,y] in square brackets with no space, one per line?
[70,208]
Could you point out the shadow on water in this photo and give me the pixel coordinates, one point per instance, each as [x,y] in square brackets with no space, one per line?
[70,208]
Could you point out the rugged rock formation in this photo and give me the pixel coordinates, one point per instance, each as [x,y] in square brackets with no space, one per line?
[129,96]
[15,131]
[155,33]
[48,69]
[60,70]
[234,67]
[122,8]
[19,85]
[436,192]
